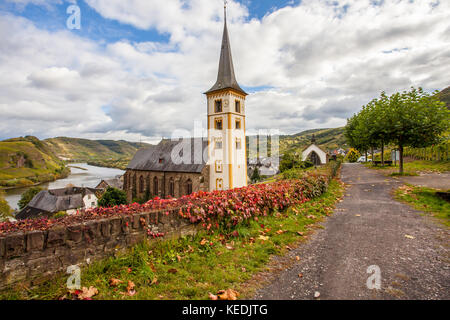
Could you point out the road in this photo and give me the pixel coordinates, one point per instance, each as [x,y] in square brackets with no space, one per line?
[369,228]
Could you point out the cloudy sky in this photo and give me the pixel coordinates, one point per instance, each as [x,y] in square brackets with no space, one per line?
[138,68]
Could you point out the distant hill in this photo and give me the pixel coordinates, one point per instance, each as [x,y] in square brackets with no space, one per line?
[444,95]
[27,160]
[328,139]
[92,150]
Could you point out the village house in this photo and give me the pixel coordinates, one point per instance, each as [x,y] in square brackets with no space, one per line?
[314,153]
[116,183]
[68,200]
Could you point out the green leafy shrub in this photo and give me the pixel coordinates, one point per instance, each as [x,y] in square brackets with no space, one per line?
[112,197]
[27,196]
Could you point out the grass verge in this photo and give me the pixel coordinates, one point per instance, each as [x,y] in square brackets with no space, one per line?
[425,199]
[413,168]
[192,267]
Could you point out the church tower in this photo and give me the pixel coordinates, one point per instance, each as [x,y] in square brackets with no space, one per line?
[226,124]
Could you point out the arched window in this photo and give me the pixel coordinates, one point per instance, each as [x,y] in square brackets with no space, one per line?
[155,186]
[141,184]
[189,186]
[171,187]
[134,182]
[147,184]
[125,181]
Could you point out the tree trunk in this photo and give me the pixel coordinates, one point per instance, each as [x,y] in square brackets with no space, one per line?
[400,148]
[382,153]
[371,151]
[366,157]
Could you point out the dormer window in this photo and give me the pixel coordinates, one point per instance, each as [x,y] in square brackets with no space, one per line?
[218,106]
[238,106]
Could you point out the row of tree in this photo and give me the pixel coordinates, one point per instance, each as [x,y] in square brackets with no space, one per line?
[412,118]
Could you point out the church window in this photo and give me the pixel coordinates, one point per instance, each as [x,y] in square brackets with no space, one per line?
[155,186]
[218,166]
[238,144]
[218,106]
[218,124]
[218,144]
[141,184]
[219,184]
[189,186]
[161,160]
[238,124]
[238,106]
[171,187]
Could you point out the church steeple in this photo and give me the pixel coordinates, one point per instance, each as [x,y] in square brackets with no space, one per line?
[226,78]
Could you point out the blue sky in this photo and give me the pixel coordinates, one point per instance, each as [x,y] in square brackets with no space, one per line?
[97,28]
[139,68]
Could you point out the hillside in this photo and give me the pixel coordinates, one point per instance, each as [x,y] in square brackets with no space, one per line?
[328,139]
[27,161]
[91,150]
[444,95]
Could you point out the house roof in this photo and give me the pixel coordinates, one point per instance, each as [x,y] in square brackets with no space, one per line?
[52,201]
[168,156]
[114,183]
[226,77]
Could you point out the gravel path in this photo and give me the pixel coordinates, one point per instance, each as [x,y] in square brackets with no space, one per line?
[369,228]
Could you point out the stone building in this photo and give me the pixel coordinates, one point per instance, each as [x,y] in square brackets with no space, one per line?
[167,170]
[219,163]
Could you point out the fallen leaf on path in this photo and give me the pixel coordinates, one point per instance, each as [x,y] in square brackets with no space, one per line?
[130,288]
[263,238]
[203,242]
[300,275]
[316,294]
[408,236]
[280,231]
[357,215]
[154,281]
[300,233]
[228,294]
[212,296]
[297,258]
[87,294]
[114,282]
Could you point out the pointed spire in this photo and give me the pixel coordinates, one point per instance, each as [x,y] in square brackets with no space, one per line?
[226,77]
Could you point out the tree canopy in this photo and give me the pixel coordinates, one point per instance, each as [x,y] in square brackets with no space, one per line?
[412,118]
[27,196]
[112,197]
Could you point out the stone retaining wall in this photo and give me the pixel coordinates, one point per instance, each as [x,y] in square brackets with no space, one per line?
[33,257]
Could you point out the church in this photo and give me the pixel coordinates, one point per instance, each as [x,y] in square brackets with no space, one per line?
[160,170]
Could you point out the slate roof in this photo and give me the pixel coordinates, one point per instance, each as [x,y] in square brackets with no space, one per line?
[52,201]
[226,77]
[114,183]
[170,154]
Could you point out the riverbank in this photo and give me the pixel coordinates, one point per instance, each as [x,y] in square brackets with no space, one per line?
[82,175]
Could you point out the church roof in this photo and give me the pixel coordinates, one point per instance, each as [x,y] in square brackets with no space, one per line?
[226,78]
[167,156]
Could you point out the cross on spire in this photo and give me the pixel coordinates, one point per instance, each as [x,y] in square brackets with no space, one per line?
[226,78]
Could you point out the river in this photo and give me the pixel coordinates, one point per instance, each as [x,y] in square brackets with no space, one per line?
[90,177]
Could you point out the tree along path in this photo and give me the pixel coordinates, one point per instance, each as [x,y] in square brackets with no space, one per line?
[369,228]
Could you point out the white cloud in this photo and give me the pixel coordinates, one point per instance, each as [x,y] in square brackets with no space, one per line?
[320,62]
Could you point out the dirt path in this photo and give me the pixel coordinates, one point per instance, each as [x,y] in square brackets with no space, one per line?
[369,228]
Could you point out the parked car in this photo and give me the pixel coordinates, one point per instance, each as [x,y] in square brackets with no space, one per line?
[363,159]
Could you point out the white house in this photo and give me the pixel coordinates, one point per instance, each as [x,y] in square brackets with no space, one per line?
[315,154]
